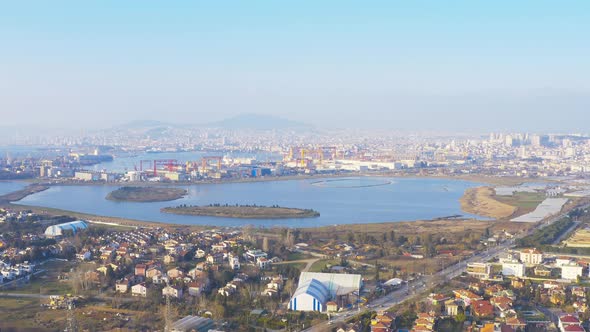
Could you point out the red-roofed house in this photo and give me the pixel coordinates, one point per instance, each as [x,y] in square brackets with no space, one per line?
[482,308]
[570,323]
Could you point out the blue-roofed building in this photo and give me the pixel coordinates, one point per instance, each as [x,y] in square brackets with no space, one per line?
[312,295]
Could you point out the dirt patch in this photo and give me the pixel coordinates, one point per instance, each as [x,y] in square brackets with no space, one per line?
[481,201]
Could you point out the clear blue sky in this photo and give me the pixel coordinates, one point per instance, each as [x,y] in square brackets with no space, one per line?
[489,65]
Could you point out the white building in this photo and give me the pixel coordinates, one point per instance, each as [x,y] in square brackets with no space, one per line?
[253,255]
[57,230]
[531,256]
[479,270]
[263,263]
[139,290]
[311,295]
[571,271]
[234,262]
[87,176]
[513,268]
[316,289]
[172,292]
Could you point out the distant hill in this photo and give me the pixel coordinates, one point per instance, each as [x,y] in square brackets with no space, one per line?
[142,124]
[258,122]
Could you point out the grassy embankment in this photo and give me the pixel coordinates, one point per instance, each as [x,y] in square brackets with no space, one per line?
[241,211]
[146,194]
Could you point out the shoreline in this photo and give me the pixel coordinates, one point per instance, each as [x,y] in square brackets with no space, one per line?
[485,179]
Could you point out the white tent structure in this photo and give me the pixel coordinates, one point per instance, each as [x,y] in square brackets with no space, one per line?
[57,230]
[316,289]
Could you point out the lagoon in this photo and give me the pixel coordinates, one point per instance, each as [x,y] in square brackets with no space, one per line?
[346,201]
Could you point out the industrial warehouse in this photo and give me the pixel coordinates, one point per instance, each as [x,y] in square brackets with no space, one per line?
[316,290]
[58,230]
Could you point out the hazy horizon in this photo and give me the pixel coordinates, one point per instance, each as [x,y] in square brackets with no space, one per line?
[457,65]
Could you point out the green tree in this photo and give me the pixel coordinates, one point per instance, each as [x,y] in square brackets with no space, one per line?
[460,318]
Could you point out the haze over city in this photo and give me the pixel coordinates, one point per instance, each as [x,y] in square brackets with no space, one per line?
[458,65]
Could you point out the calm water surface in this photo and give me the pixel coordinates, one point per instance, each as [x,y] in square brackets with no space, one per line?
[353,200]
[10,186]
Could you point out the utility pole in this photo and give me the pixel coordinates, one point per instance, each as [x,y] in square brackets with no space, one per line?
[71,325]
[168,310]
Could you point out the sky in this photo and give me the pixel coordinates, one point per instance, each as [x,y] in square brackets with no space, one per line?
[451,65]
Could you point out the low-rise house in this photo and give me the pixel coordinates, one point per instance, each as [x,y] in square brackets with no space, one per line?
[263,263]
[482,309]
[122,286]
[386,318]
[479,270]
[140,270]
[435,298]
[331,306]
[234,262]
[200,253]
[531,256]
[172,291]
[195,288]
[452,307]
[503,306]
[216,258]
[467,296]
[152,272]
[139,290]
[515,323]
[175,273]
[425,322]
[85,255]
[160,279]
[542,271]
[169,259]
[569,323]
[579,291]
[253,255]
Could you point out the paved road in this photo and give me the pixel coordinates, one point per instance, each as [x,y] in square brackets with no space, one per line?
[566,233]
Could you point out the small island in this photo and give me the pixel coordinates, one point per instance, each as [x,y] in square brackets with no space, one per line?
[146,194]
[242,211]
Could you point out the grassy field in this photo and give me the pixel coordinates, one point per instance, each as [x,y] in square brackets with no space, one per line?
[447,228]
[47,282]
[295,256]
[19,313]
[524,202]
[321,264]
